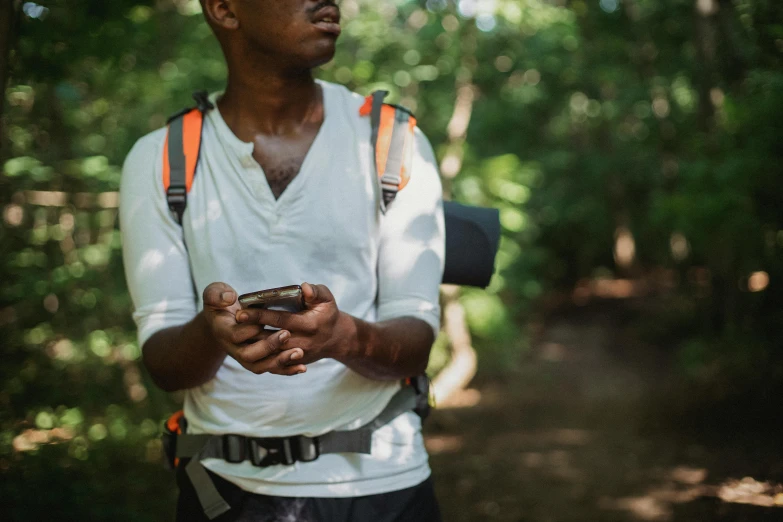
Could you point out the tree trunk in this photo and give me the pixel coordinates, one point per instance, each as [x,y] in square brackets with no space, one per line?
[448,387]
[706,40]
[8,17]
[450,383]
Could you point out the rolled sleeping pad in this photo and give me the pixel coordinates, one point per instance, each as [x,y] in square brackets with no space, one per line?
[472,240]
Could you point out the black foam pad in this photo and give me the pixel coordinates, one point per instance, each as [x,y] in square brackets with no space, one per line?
[472,240]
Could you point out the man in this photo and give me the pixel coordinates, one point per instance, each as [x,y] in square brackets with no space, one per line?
[284,193]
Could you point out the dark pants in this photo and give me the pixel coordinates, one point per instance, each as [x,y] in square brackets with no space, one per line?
[416,504]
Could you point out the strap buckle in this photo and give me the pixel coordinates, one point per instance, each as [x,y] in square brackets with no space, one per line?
[286,451]
[421,383]
[307,448]
[269,452]
[176,195]
[177,198]
[202,101]
[234,448]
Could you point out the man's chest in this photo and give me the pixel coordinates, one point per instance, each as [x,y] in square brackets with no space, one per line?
[328,205]
[281,157]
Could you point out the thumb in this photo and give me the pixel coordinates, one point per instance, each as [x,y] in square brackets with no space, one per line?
[219,295]
[316,294]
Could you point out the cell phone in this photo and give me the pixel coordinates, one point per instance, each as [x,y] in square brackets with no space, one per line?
[286,298]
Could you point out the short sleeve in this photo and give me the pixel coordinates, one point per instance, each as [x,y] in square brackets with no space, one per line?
[156,261]
[412,244]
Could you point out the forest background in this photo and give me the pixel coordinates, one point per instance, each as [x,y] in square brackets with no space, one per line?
[632,147]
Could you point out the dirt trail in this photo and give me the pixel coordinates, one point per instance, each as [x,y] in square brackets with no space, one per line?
[581,433]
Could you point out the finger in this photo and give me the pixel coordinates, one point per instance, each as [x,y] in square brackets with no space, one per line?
[315,294]
[239,333]
[274,318]
[287,359]
[292,357]
[289,370]
[226,329]
[219,295]
[262,349]
[222,323]
[280,364]
[262,335]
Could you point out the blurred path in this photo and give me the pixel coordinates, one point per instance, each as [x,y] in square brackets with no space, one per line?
[582,433]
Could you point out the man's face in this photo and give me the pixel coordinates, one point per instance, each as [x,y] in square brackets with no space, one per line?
[301,32]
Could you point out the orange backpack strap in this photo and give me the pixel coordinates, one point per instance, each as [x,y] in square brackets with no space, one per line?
[392,138]
[180,154]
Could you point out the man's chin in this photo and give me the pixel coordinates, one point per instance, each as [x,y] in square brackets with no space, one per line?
[322,56]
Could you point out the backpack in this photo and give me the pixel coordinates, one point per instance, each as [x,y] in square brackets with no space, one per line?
[472,233]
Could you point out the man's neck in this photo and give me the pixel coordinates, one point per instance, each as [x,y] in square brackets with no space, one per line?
[269,104]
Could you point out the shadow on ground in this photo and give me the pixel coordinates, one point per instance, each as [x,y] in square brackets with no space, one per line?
[590,428]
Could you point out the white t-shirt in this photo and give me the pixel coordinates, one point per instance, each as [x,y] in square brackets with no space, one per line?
[325,228]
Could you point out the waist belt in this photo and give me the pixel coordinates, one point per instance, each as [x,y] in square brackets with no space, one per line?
[263,452]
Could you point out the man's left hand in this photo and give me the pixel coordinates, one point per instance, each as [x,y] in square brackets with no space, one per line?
[315,331]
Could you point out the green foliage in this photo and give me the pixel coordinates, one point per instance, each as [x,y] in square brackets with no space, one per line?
[590,117]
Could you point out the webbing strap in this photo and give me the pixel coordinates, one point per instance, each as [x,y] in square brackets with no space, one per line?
[360,440]
[189,445]
[210,499]
[176,155]
[402,401]
[355,441]
[392,129]
[212,446]
[204,446]
[392,174]
[180,157]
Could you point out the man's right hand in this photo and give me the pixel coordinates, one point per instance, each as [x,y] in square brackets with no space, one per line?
[256,349]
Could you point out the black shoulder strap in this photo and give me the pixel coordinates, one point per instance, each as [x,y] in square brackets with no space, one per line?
[180,157]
